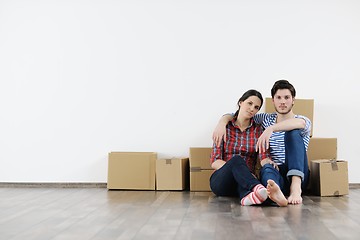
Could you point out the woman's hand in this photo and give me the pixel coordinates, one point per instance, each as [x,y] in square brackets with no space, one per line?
[217,164]
[269,161]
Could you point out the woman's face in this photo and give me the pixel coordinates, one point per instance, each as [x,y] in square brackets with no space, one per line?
[249,107]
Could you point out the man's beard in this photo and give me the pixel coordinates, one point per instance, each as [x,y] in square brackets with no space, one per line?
[284,113]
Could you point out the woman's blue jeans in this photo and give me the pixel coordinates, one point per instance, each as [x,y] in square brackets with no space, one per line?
[233,179]
[296,164]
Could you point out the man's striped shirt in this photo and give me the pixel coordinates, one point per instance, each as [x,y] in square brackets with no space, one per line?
[277,145]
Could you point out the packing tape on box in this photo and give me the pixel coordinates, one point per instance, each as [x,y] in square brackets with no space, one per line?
[168,161]
[334,165]
[195,169]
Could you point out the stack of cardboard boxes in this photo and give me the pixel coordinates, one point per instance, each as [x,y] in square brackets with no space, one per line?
[200,169]
[328,175]
[143,171]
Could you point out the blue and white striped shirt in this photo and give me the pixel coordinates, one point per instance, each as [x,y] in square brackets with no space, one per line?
[277,145]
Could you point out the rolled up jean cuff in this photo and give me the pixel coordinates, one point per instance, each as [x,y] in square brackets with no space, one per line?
[294,172]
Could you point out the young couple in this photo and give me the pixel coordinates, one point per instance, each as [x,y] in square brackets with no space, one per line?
[279,140]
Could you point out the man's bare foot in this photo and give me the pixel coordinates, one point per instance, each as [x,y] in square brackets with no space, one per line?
[295,191]
[276,194]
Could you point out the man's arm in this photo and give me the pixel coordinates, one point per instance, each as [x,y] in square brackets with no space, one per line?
[290,124]
[220,129]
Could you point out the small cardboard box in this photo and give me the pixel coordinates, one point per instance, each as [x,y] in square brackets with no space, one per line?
[200,158]
[172,174]
[322,148]
[303,107]
[329,177]
[200,180]
[131,170]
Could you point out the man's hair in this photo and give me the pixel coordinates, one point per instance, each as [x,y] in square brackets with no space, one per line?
[283,84]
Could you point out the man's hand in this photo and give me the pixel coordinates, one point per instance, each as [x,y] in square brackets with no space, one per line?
[220,130]
[219,133]
[263,142]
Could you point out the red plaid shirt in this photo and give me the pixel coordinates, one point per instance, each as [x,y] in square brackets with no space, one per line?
[240,143]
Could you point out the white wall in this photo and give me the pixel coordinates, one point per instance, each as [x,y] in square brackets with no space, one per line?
[82,78]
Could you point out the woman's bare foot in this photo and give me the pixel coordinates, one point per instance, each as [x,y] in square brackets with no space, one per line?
[295,191]
[276,194]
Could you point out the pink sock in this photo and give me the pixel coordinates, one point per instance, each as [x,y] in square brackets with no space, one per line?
[257,196]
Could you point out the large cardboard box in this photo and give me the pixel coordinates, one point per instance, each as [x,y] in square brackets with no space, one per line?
[200,157]
[303,107]
[131,170]
[200,180]
[329,177]
[322,148]
[172,174]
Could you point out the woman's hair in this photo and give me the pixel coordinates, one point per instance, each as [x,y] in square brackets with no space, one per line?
[282,84]
[245,96]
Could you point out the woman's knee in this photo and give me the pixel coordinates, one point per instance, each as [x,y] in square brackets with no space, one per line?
[236,160]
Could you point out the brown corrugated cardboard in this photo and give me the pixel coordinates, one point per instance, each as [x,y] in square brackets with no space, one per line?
[303,107]
[131,170]
[200,158]
[172,174]
[329,177]
[200,180]
[322,148]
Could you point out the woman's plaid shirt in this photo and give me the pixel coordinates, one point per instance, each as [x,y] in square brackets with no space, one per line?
[241,143]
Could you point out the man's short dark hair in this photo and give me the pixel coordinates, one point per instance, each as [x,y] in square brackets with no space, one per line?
[283,84]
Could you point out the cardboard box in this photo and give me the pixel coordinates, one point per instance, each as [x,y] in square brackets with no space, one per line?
[200,158]
[200,180]
[329,177]
[172,174]
[131,170]
[303,107]
[322,148]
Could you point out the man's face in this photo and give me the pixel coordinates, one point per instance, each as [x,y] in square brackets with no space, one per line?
[283,101]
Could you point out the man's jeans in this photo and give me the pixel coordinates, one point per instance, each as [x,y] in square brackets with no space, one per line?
[296,164]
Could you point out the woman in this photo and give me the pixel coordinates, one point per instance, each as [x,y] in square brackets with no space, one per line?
[234,161]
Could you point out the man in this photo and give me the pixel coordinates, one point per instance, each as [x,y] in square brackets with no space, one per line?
[287,135]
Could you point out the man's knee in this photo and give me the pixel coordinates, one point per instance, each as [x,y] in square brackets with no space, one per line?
[293,133]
